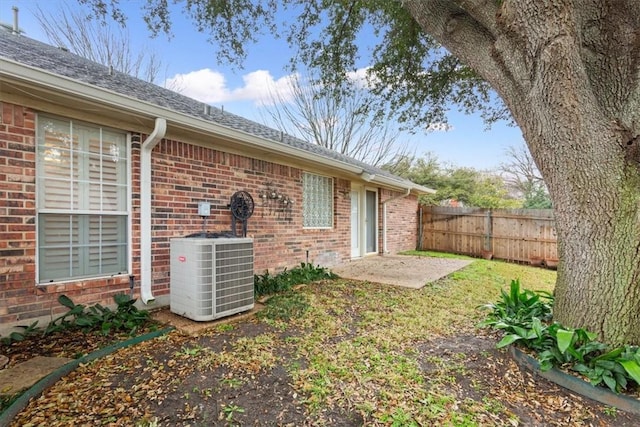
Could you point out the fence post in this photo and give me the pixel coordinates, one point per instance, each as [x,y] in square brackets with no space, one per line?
[420,230]
[488,232]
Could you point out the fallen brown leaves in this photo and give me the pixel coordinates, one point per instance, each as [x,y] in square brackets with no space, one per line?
[363,354]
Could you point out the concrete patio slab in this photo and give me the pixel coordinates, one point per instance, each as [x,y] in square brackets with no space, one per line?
[400,270]
[193,327]
[24,375]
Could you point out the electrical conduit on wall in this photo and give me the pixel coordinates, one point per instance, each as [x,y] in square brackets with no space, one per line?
[145,208]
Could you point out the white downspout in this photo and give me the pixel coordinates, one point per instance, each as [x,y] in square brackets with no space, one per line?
[384,218]
[145,208]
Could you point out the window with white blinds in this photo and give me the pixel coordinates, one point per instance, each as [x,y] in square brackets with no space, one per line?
[82,200]
[317,201]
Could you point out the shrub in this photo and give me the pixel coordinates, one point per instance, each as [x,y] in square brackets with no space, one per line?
[525,317]
[267,284]
[25,332]
[126,318]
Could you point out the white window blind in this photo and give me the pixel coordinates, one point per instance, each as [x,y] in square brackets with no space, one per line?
[317,201]
[82,200]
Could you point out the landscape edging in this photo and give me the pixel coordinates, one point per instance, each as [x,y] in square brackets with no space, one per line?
[21,402]
[577,385]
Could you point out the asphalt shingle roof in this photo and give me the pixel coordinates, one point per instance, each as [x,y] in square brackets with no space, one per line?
[58,61]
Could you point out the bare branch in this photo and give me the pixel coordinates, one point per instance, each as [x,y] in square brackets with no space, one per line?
[342,124]
[78,32]
[520,173]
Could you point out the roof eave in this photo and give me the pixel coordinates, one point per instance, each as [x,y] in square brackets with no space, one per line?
[39,77]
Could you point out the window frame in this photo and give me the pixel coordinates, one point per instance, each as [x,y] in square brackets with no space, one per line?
[331,199]
[84,215]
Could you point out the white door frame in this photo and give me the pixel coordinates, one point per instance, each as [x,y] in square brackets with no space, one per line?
[363,225]
[356,221]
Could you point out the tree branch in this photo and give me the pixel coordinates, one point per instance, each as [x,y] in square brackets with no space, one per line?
[460,27]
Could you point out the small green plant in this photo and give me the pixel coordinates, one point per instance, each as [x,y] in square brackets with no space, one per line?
[224,327]
[284,307]
[231,382]
[399,419]
[125,318]
[267,284]
[25,332]
[205,392]
[189,351]
[231,410]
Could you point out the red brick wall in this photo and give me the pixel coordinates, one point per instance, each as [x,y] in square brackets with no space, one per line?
[182,175]
[17,204]
[185,174]
[402,222]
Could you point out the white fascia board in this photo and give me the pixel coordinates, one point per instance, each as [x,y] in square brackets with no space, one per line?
[39,77]
[424,190]
[402,184]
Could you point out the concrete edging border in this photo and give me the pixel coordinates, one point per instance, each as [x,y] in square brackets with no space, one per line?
[583,388]
[21,402]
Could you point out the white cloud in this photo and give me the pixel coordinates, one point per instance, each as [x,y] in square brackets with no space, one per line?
[211,87]
[360,77]
[439,127]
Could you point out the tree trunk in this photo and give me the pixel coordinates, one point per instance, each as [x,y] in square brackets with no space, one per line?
[570,74]
[596,195]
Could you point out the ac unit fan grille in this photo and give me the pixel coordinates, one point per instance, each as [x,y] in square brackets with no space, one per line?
[234,276]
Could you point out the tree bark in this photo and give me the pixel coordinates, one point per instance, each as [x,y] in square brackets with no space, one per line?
[569,71]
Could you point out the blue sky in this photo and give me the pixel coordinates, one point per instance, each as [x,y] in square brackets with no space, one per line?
[190,59]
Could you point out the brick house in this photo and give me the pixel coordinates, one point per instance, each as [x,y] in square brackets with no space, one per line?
[99,170]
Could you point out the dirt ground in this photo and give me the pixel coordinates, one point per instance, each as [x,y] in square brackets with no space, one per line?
[417,271]
[247,372]
[161,382]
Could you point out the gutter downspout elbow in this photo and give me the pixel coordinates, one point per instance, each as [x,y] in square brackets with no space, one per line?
[384,217]
[145,208]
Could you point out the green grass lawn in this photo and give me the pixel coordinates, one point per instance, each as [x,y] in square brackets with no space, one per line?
[359,341]
[350,350]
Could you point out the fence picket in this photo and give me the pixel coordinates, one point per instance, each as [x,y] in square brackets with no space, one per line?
[522,235]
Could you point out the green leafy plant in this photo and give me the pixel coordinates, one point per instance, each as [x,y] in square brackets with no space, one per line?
[25,332]
[614,368]
[525,318]
[519,306]
[126,318]
[267,284]
[568,347]
[231,410]
[189,351]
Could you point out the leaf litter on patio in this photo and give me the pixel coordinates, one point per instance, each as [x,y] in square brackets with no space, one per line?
[356,353]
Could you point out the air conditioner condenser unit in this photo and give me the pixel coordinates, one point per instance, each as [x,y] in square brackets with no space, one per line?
[211,277]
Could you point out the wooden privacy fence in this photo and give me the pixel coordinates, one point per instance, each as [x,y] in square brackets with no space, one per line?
[523,235]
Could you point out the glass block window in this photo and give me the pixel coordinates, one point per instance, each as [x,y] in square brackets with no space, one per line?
[82,200]
[317,201]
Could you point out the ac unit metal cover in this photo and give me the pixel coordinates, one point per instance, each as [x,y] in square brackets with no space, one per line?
[211,278]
